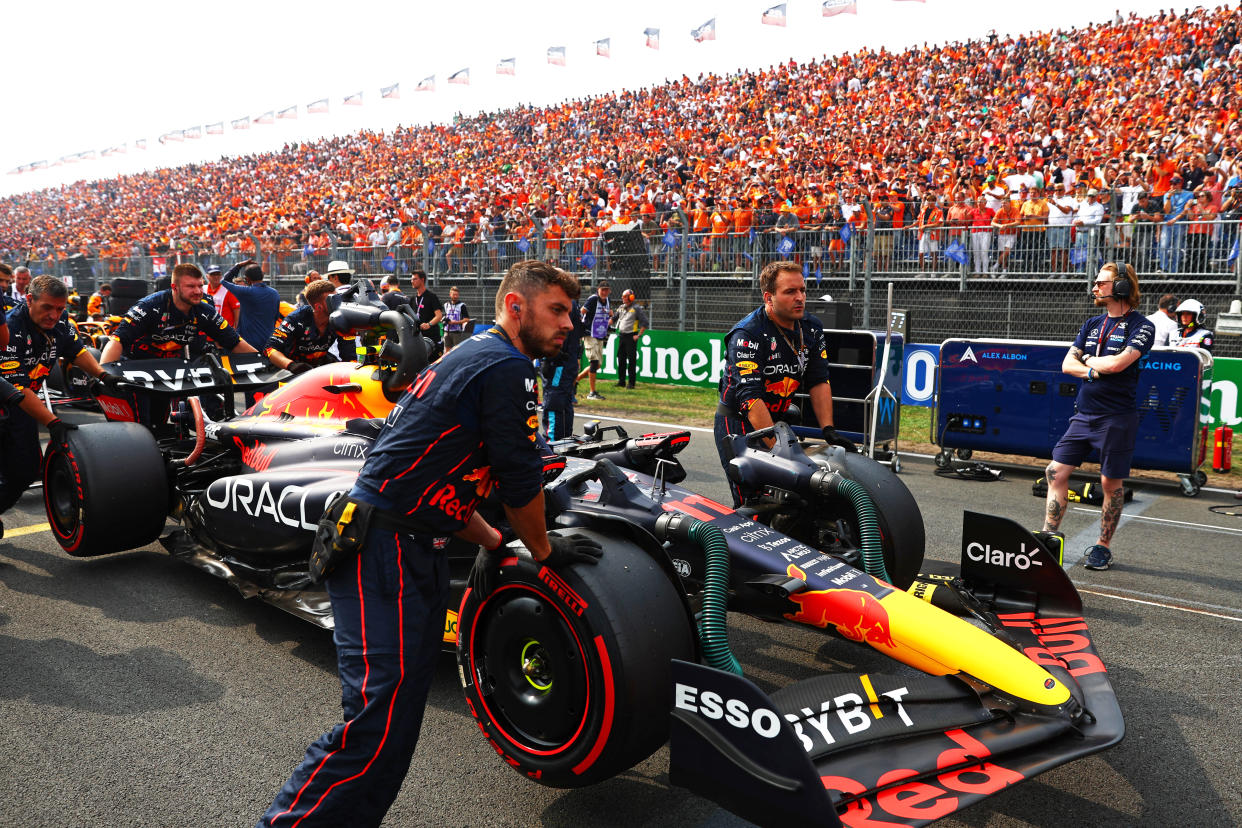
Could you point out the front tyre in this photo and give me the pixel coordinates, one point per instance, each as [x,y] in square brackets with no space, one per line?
[568,672]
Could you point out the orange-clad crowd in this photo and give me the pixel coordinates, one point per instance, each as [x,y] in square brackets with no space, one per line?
[1137,103]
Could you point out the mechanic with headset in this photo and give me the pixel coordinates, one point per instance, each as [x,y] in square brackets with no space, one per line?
[39,335]
[1105,355]
[466,426]
[1190,331]
[769,355]
[559,375]
[163,325]
[302,339]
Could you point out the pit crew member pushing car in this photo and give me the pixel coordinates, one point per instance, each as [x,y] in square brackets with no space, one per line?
[162,325]
[465,427]
[302,339]
[769,355]
[38,336]
[1106,355]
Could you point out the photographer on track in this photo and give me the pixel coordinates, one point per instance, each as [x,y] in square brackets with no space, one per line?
[1105,355]
[770,354]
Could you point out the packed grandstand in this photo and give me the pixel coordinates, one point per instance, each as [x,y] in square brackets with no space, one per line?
[1133,104]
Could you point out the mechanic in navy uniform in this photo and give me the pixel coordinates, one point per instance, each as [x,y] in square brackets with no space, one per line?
[1105,355]
[303,338]
[559,375]
[773,352]
[163,325]
[7,302]
[38,335]
[466,426]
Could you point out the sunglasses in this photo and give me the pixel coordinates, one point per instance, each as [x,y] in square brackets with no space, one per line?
[1102,282]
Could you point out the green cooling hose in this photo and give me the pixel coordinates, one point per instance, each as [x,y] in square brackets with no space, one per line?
[713,621]
[832,483]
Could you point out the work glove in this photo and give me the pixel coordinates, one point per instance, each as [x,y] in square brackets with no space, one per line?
[834,439]
[59,430]
[298,367]
[107,382]
[484,573]
[570,549]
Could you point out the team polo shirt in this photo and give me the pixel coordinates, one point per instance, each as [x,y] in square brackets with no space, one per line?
[32,351]
[1105,336]
[767,363]
[154,328]
[300,340]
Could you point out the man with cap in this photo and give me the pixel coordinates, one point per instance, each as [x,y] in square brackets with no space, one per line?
[632,322]
[227,305]
[597,315]
[259,303]
[1173,228]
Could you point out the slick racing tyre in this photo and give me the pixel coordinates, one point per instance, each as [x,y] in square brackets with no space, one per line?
[568,673]
[105,489]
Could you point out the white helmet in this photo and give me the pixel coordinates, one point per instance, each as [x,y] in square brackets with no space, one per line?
[1192,306]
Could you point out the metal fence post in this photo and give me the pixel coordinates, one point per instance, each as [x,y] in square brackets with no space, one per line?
[682,260]
[868,265]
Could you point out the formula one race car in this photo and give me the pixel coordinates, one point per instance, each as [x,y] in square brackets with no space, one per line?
[575,675]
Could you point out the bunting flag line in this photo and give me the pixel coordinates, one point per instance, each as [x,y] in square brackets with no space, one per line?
[353,100]
[240,123]
[653,38]
[176,135]
[834,7]
[393,91]
[508,66]
[89,155]
[140,143]
[461,76]
[775,16]
[603,48]
[193,132]
[317,107]
[909,1]
[288,113]
[427,84]
[42,165]
[216,128]
[705,32]
[266,118]
[556,55]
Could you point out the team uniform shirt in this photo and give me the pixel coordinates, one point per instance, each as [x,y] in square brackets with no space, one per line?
[453,316]
[1196,337]
[32,351]
[297,338]
[466,426]
[1105,336]
[767,364]
[154,328]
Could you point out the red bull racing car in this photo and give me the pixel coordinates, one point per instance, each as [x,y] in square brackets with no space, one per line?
[575,675]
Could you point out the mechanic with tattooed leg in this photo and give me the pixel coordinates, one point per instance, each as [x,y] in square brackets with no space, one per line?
[1105,355]
[466,426]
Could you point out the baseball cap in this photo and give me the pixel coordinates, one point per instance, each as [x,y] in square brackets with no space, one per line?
[212,269]
[603,283]
[1093,192]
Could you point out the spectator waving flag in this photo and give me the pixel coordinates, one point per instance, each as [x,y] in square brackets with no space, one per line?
[834,7]
[317,107]
[671,238]
[461,76]
[389,264]
[705,32]
[956,251]
[268,117]
[784,246]
[587,261]
[289,113]
[508,66]
[775,16]
[603,47]
[556,55]
[523,244]
[216,128]
[847,230]
[653,38]
[427,84]
[393,91]
[353,100]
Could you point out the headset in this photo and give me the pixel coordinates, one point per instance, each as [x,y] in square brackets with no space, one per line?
[1121,282]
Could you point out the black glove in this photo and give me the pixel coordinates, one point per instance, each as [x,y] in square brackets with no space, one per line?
[834,439]
[109,382]
[298,367]
[483,574]
[570,549]
[59,430]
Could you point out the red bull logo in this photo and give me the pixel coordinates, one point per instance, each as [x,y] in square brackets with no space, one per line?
[783,388]
[258,457]
[482,480]
[857,615]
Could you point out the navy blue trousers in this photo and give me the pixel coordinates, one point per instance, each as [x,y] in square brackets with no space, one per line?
[389,608]
[20,455]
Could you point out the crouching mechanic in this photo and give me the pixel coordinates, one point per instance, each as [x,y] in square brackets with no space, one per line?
[163,325]
[769,355]
[303,338]
[1105,355]
[38,337]
[465,427]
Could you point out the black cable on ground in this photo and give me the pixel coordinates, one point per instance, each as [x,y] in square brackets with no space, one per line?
[972,471]
[1227,511]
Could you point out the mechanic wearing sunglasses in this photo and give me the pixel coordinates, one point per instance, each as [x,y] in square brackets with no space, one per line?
[1105,355]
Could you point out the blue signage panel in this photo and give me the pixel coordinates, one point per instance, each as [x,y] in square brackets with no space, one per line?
[918,385]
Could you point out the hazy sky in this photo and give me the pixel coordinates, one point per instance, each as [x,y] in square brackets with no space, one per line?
[87,76]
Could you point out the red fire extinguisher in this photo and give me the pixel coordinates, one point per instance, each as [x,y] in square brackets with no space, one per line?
[1222,449]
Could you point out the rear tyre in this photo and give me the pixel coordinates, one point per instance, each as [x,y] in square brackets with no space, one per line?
[105,489]
[568,673]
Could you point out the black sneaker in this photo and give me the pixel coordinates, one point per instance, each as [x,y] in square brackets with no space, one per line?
[1,528]
[595,395]
[1098,558]
[631,385]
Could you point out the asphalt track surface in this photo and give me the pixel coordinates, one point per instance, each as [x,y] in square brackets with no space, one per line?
[138,691]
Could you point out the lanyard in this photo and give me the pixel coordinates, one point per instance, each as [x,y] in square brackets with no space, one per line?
[799,352]
[1099,346]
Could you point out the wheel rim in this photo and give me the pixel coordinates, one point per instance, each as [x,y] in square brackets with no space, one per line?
[62,495]
[532,671]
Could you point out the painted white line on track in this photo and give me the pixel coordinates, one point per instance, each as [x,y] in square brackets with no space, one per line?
[1174,601]
[1160,604]
[1087,537]
[1207,527]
